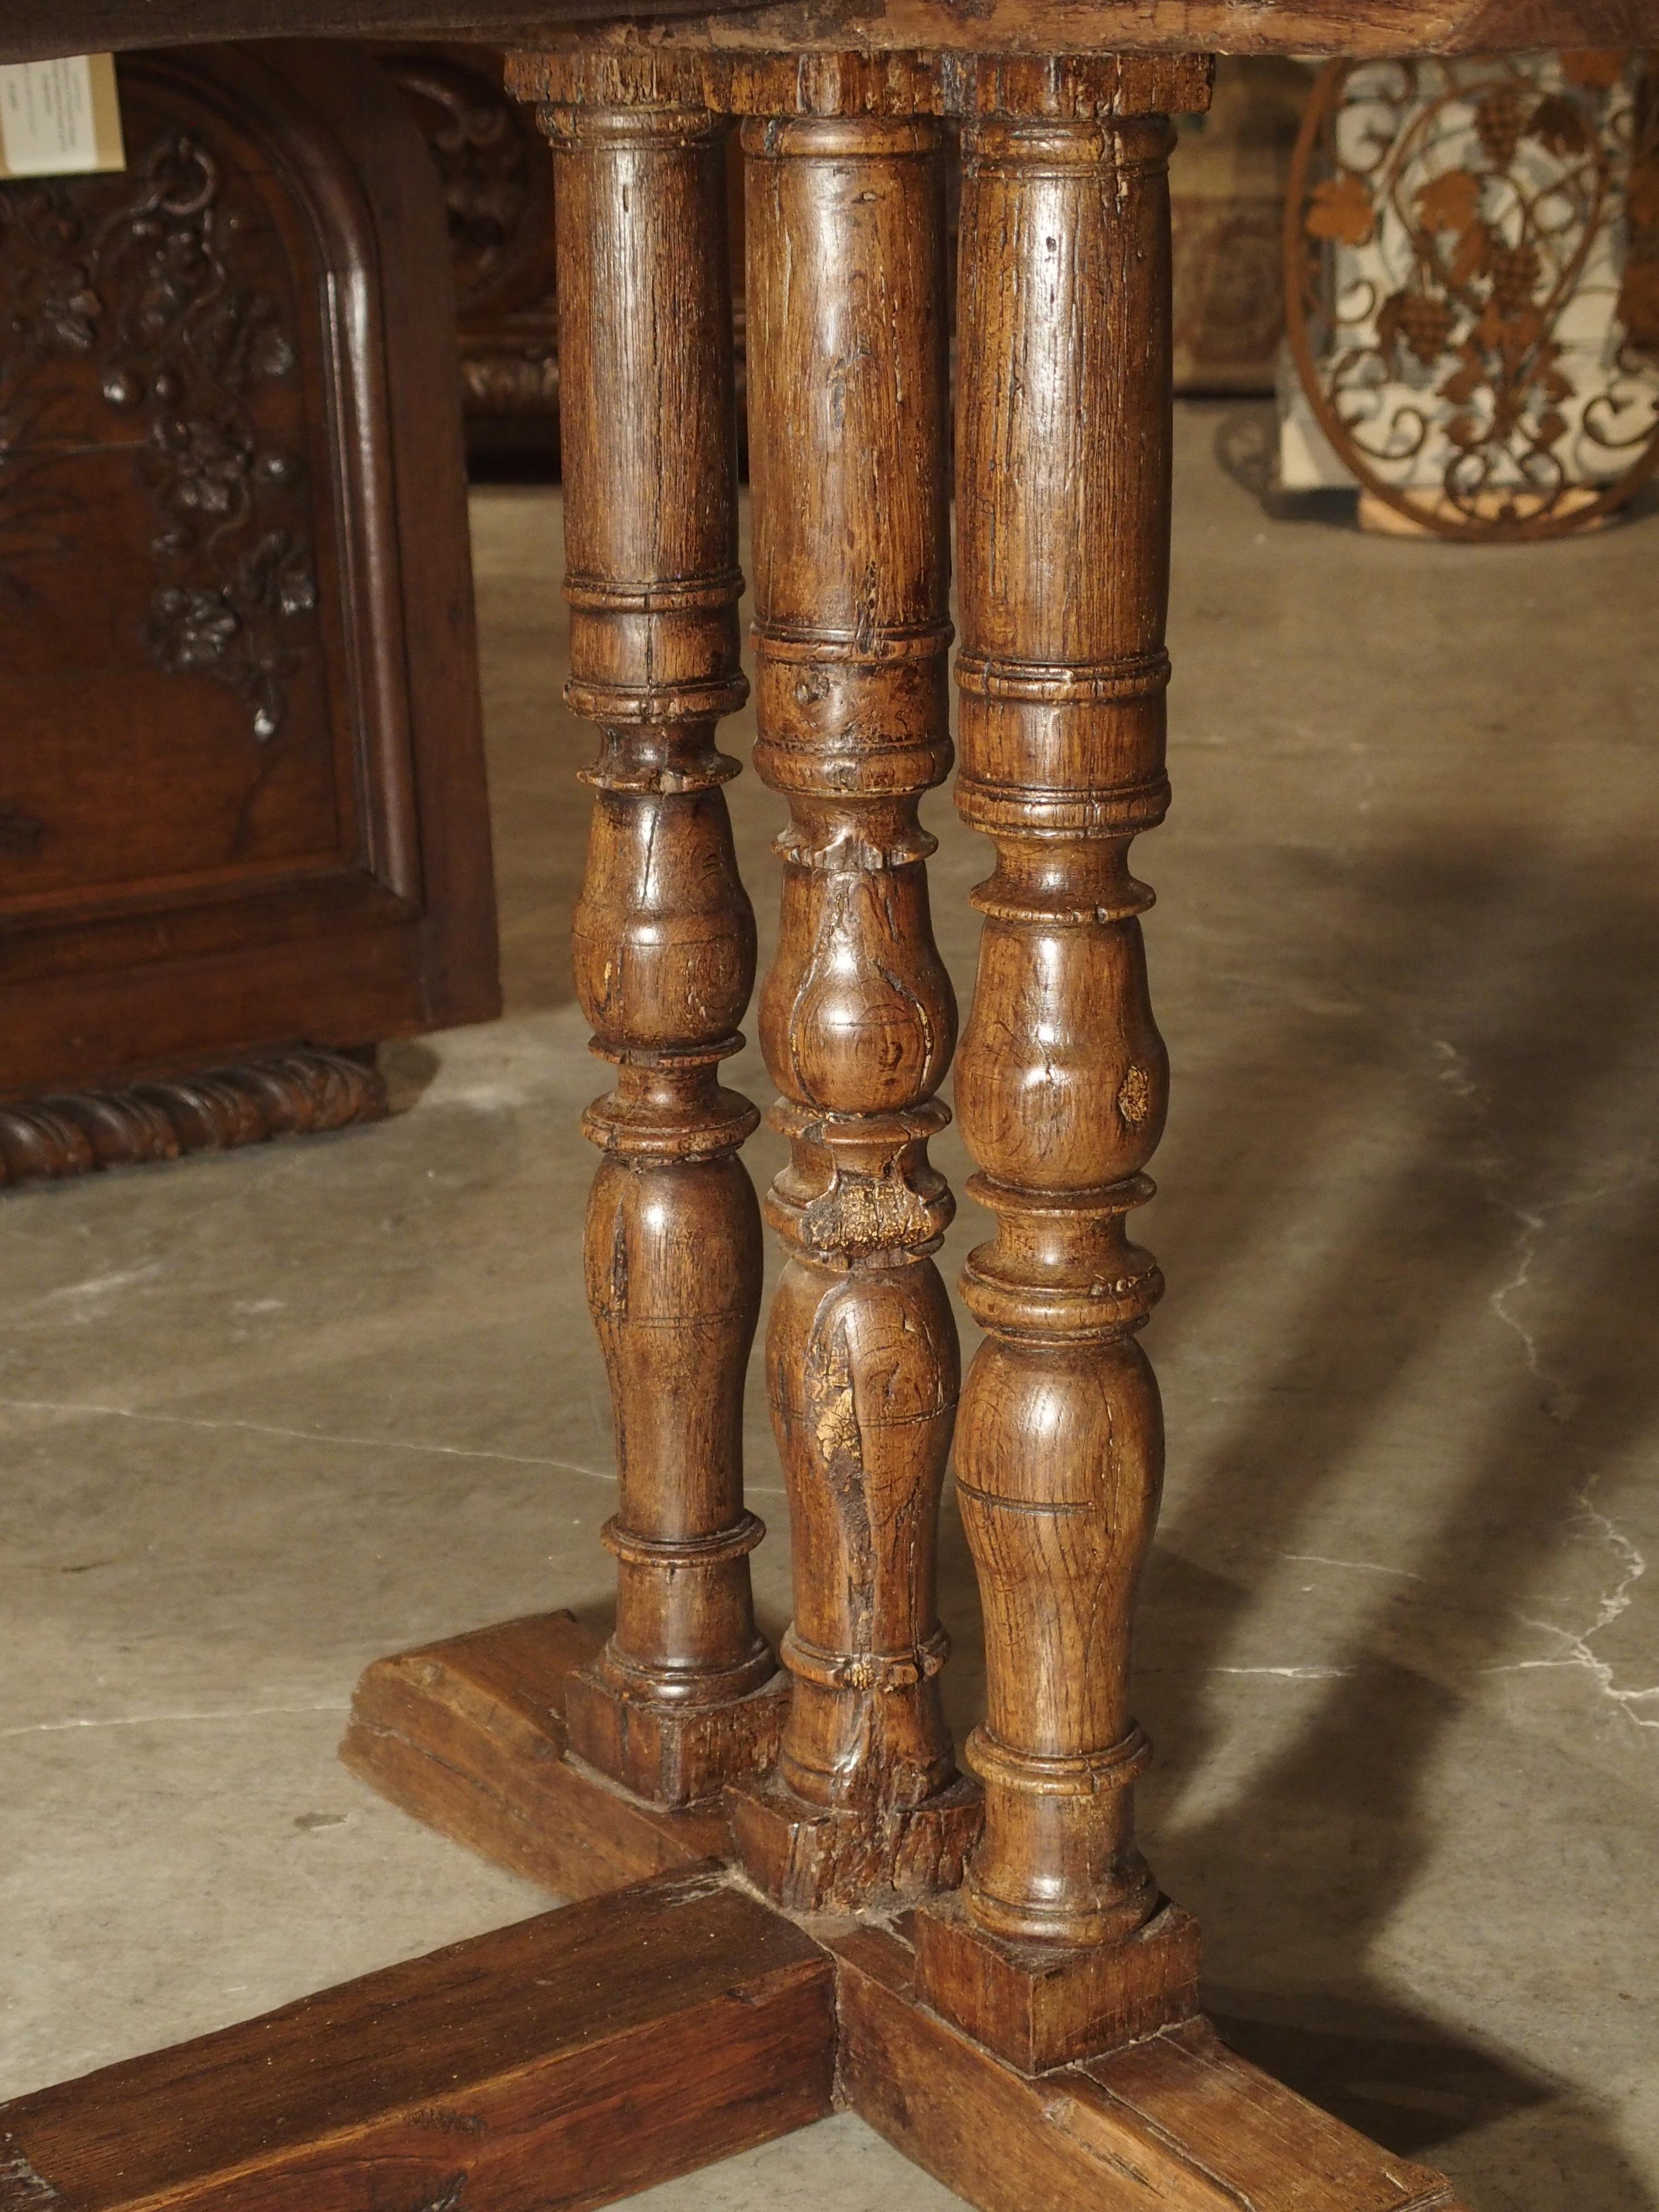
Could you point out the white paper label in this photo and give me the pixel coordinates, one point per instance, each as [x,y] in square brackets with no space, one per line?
[59,119]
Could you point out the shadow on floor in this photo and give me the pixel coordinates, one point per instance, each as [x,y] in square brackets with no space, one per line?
[1408,2090]
[1542,974]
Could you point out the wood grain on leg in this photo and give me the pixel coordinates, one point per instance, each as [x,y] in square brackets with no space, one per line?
[686,1693]
[1061,1087]
[846,400]
[564,2062]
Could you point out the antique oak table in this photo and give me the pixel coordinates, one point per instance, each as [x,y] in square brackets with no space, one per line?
[791,1897]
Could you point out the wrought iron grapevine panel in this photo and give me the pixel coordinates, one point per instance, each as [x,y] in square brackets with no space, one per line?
[1464,239]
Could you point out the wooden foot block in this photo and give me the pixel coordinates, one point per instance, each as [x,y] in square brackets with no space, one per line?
[1174,2123]
[469,1736]
[564,2062]
[1037,2006]
[672,1754]
[811,1859]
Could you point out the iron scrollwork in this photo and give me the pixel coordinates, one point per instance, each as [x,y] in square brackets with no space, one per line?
[1472,284]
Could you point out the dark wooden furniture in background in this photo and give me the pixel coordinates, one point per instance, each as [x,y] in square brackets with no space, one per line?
[496,173]
[242,819]
[1033,2036]
[1227,179]
[1227,216]
[497,176]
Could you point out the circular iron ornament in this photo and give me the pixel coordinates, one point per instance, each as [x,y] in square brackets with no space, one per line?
[1444,223]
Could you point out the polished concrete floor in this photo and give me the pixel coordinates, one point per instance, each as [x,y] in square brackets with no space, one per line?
[268,1415]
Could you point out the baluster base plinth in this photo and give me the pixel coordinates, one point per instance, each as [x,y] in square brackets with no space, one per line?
[821,1858]
[670,1753]
[1039,2005]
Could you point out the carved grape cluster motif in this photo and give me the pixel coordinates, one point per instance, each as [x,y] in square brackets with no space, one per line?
[1475,299]
[151,285]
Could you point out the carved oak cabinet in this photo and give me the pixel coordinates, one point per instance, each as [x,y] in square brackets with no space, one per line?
[242,828]
[496,177]
[793,1891]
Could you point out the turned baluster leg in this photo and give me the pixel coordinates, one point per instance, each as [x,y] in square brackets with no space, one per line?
[1059,1942]
[686,1694]
[847,399]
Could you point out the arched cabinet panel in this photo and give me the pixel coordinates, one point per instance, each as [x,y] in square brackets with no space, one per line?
[242,787]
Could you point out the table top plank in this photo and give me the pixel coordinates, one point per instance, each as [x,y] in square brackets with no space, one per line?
[41,28]
[1321,28]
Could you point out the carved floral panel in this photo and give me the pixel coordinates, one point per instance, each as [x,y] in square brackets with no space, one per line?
[178,694]
[145,279]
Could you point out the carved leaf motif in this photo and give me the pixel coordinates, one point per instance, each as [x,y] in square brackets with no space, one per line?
[205,465]
[190,627]
[271,576]
[65,312]
[1595,69]
[1341,210]
[1558,125]
[1497,187]
[484,155]
[193,337]
[1451,201]
[155,274]
[1472,257]
[242,342]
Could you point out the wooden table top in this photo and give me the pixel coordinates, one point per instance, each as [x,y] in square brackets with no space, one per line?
[31,29]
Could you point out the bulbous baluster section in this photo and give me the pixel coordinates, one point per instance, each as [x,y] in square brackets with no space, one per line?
[857,1021]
